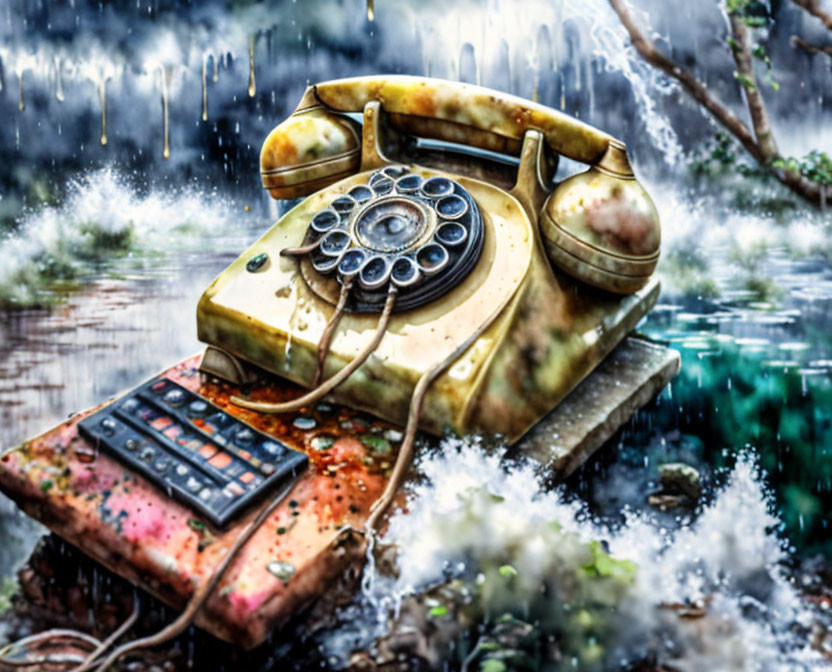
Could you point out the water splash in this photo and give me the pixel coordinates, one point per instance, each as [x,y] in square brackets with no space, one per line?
[103,223]
[468,515]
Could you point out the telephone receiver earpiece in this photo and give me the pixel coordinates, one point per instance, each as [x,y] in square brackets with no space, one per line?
[602,227]
[599,226]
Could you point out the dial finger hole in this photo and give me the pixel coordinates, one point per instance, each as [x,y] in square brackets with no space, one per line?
[432,258]
[334,243]
[395,172]
[451,234]
[375,273]
[405,272]
[381,184]
[351,263]
[325,220]
[361,193]
[343,204]
[436,187]
[451,207]
[323,263]
[409,184]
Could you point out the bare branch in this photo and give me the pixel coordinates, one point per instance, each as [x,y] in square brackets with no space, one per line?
[698,91]
[762,148]
[811,48]
[813,7]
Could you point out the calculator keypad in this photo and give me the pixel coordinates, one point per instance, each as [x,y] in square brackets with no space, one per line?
[193,450]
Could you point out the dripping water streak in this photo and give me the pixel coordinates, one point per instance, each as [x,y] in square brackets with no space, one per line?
[252,88]
[21,105]
[216,77]
[102,96]
[371,11]
[205,87]
[166,126]
[59,82]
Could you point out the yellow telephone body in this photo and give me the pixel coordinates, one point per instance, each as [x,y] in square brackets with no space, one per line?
[543,281]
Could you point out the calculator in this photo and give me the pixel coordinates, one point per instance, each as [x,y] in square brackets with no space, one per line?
[192,449]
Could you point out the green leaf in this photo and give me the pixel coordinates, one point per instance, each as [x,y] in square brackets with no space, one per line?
[493,665]
[46,486]
[745,80]
[195,524]
[438,611]
[507,571]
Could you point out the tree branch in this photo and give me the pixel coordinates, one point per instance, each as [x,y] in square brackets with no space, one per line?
[811,48]
[813,7]
[698,91]
[762,148]
[741,50]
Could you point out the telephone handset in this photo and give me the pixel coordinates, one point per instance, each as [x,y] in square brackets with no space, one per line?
[409,261]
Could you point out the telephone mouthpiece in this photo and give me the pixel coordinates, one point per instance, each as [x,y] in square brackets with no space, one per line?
[602,227]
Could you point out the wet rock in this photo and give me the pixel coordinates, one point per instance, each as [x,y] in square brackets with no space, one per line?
[667,502]
[680,478]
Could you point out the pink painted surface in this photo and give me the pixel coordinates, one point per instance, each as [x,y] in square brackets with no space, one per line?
[129,525]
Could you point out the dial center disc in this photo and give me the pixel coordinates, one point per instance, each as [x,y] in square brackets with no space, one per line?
[391,224]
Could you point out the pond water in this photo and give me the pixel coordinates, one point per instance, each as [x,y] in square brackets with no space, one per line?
[107,247]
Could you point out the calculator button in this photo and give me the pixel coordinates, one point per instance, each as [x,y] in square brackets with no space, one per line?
[131,445]
[109,426]
[207,451]
[221,420]
[220,460]
[161,465]
[206,493]
[175,397]
[197,408]
[193,484]
[247,477]
[245,435]
[234,489]
[182,470]
[273,448]
[267,468]
[147,454]
[130,405]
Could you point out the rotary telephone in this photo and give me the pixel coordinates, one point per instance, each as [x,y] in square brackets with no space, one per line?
[434,254]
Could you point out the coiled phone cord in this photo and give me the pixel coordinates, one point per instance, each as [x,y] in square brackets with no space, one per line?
[331,383]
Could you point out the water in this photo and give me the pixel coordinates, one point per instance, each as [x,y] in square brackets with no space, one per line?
[132,141]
